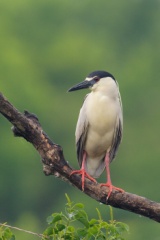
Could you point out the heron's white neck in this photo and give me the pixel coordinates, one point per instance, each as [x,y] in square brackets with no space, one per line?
[106,86]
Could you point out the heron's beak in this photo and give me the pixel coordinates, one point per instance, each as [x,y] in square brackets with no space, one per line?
[82,85]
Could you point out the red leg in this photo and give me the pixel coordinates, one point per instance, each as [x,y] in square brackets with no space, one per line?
[109,183]
[83,172]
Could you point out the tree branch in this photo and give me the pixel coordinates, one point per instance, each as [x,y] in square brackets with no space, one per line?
[27,126]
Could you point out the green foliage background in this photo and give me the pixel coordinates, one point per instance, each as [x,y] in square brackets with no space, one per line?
[45,48]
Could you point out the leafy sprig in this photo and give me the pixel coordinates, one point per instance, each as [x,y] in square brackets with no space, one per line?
[74,224]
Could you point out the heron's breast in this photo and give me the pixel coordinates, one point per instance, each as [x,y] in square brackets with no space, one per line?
[102,114]
[96,144]
[102,117]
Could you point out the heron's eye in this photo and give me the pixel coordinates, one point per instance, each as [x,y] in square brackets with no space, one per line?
[96,79]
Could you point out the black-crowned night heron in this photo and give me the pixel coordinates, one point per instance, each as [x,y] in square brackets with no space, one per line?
[99,127]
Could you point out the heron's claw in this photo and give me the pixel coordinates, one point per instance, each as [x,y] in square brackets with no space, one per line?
[111,188]
[84,174]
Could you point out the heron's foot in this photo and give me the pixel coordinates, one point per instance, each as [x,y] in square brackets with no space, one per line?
[111,188]
[84,174]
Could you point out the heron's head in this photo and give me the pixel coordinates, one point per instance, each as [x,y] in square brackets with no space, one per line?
[93,80]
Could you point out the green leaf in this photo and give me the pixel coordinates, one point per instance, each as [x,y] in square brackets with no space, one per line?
[93,230]
[60,227]
[111,213]
[49,219]
[55,217]
[121,227]
[48,231]
[78,205]
[71,229]
[82,232]
[13,237]
[104,225]
[101,237]
[99,214]
[93,221]
[8,235]
[69,203]
[82,217]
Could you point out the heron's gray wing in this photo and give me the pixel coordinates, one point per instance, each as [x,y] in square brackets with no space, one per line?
[81,131]
[116,141]
[117,132]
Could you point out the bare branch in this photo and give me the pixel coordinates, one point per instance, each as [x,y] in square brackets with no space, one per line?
[27,126]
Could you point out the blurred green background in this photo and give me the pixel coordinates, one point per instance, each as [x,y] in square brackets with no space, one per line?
[45,48]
